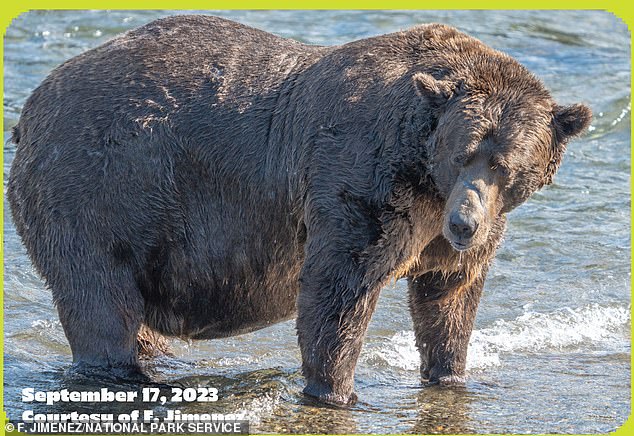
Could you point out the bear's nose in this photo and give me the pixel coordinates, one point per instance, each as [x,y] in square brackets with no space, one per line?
[462,226]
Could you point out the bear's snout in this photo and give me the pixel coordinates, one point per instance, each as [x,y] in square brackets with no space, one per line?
[472,205]
[463,226]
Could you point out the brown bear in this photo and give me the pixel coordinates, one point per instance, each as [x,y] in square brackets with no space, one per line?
[206,179]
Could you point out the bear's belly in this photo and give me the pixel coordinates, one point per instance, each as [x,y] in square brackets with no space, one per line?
[214,319]
[227,328]
[228,299]
[246,308]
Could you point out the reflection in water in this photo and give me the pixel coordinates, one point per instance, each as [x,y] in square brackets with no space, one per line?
[444,409]
[306,418]
[272,400]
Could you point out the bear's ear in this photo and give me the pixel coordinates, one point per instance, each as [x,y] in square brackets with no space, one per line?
[570,121]
[435,91]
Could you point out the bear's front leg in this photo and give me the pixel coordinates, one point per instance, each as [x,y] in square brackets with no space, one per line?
[443,308]
[335,304]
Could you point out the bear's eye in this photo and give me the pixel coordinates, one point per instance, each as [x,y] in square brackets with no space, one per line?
[503,171]
[500,169]
[459,159]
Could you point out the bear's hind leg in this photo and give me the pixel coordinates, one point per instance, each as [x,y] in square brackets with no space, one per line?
[101,315]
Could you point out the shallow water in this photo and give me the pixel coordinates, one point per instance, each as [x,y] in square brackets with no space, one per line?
[551,348]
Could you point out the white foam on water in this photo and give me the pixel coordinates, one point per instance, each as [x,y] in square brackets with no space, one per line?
[399,352]
[590,327]
[44,325]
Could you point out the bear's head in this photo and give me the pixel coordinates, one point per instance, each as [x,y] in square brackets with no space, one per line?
[498,138]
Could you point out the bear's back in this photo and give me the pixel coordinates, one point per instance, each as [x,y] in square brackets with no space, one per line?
[138,80]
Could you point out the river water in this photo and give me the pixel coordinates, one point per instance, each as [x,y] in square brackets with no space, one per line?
[551,349]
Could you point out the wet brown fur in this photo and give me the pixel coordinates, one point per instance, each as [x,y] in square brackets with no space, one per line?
[152,344]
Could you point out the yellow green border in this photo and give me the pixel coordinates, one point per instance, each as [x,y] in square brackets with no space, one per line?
[624,9]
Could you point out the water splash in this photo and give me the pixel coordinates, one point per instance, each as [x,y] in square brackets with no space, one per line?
[43,326]
[591,327]
[257,408]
